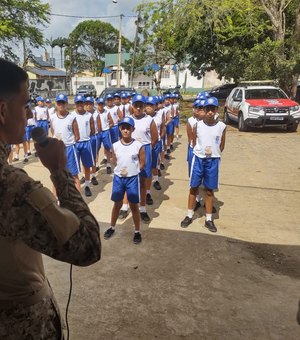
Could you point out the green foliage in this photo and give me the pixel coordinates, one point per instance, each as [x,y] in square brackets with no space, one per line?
[20,21]
[90,41]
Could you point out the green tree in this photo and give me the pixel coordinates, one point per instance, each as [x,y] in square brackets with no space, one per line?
[156,38]
[90,41]
[61,43]
[20,21]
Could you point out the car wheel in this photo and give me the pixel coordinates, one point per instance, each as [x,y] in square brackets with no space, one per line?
[226,118]
[292,128]
[242,126]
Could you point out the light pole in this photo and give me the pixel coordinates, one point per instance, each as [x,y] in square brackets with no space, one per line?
[119,52]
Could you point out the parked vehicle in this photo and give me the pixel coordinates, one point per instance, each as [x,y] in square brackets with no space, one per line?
[86,91]
[112,90]
[223,91]
[175,90]
[260,106]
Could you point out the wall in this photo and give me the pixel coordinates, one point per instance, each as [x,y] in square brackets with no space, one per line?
[48,87]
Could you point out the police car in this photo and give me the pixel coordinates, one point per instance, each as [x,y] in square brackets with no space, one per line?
[261,106]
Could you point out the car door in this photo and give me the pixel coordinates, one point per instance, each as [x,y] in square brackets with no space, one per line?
[236,103]
[231,102]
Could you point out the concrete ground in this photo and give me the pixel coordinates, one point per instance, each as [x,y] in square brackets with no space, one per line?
[241,283]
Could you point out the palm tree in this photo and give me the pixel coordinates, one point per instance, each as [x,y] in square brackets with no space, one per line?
[50,42]
[61,43]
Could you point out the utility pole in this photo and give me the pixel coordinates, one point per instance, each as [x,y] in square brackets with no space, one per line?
[119,52]
[134,47]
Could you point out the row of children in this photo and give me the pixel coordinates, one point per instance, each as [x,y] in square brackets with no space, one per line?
[153,121]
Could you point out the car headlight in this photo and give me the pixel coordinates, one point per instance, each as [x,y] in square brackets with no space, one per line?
[256,110]
[294,109]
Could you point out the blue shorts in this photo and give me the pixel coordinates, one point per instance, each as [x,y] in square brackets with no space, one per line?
[28,131]
[189,159]
[147,171]
[72,160]
[176,121]
[155,154]
[94,145]
[170,128]
[85,153]
[43,124]
[206,170]
[114,134]
[130,185]
[104,137]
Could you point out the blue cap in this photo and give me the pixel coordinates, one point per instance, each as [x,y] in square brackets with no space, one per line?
[151,100]
[167,96]
[89,99]
[117,95]
[212,101]
[100,101]
[124,95]
[138,98]
[61,98]
[109,96]
[172,95]
[48,100]
[39,99]
[126,120]
[204,94]
[200,103]
[196,102]
[79,98]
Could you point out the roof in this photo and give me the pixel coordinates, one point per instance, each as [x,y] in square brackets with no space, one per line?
[47,73]
[40,62]
[112,59]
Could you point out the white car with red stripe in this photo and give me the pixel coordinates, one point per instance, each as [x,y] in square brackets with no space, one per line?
[260,106]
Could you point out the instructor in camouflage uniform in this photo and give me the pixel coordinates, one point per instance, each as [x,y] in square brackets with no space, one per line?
[32,223]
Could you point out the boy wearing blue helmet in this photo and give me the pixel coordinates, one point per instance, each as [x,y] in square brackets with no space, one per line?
[129,157]
[208,144]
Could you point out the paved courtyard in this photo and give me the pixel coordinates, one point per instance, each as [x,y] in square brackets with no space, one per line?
[241,283]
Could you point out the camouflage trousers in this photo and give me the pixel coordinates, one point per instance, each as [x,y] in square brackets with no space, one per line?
[39,321]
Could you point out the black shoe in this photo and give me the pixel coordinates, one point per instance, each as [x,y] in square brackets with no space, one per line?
[171,147]
[123,214]
[82,180]
[186,222]
[109,233]
[214,210]
[15,159]
[168,151]
[87,192]
[149,199]
[94,181]
[104,161]
[167,156]
[108,170]
[156,185]
[25,160]
[197,206]
[144,217]
[97,168]
[137,238]
[159,173]
[28,153]
[210,226]
[162,166]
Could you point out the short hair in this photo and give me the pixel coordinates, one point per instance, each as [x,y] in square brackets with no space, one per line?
[11,77]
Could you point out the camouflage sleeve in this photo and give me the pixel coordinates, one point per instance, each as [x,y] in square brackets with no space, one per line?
[67,232]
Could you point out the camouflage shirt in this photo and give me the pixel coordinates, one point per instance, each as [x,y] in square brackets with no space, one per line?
[31,223]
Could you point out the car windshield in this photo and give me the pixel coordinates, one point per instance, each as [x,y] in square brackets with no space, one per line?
[265,94]
[83,87]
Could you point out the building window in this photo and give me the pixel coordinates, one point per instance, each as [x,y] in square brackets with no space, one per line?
[165,74]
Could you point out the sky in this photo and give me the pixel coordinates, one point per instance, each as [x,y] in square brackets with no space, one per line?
[63,26]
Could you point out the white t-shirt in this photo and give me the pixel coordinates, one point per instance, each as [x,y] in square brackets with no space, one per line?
[84,126]
[142,132]
[41,113]
[127,155]
[124,108]
[51,110]
[208,139]
[113,113]
[104,120]
[63,128]
[95,115]
[158,121]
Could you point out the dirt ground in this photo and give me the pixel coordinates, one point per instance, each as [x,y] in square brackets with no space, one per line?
[241,283]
